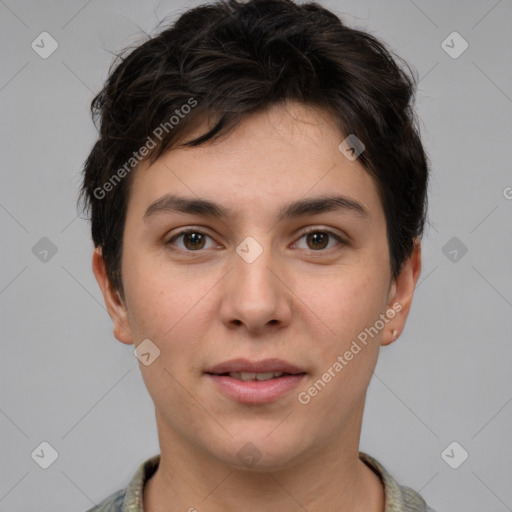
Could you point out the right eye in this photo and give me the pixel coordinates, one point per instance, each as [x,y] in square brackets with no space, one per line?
[193,240]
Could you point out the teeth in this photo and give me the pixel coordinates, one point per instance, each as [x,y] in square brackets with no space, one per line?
[245,376]
[268,375]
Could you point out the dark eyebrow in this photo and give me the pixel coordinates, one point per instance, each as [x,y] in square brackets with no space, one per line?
[300,208]
[322,204]
[172,203]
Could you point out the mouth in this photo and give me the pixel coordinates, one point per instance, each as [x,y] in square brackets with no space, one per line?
[255,382]
[249,376]
[251,369]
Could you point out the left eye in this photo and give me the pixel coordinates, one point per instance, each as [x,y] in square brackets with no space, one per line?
[320,238]
[194,240]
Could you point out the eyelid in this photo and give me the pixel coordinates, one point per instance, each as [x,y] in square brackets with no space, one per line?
[314,229]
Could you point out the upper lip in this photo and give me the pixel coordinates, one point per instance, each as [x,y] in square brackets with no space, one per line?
[246,366]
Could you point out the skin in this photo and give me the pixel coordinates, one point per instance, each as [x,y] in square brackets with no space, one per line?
[300,300]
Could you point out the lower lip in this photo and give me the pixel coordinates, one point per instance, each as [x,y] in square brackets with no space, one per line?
[256,391]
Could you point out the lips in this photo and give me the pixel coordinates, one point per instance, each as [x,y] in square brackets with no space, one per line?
[255,382]
[239,366]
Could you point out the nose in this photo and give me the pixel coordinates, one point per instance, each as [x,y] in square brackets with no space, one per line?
[255,295]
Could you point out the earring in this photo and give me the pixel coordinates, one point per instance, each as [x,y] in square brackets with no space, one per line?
[395,334]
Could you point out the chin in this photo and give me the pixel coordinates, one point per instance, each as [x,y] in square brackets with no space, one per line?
[259,452]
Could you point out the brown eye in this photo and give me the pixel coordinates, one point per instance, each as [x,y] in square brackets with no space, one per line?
[319,239]
[192,240]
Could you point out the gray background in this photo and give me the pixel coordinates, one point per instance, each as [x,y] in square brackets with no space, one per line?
[64,379]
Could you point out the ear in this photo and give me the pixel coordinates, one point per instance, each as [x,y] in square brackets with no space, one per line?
[115,305]
[400,295]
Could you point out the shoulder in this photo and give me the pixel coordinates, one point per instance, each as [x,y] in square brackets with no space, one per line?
[413,501]
[131,497]
[398,498]
[112,503]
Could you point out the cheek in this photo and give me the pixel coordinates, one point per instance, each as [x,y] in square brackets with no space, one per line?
[346,356]
[345,302]
[165,304]
[165,307]
[155,296]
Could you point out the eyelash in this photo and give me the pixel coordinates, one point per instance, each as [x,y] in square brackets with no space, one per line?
[304,233]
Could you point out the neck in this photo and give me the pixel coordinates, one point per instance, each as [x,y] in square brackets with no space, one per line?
[332,478]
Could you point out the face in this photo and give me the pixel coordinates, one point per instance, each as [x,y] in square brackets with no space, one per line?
[265,287]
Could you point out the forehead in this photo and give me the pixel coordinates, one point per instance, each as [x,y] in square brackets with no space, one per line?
[273,158]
